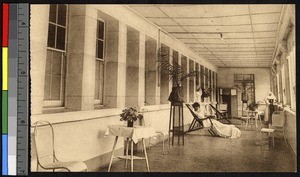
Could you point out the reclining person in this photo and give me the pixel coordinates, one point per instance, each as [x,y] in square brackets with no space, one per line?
[223,130]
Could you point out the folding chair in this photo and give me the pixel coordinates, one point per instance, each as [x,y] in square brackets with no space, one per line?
[222,107]
[199,120]
[219,116]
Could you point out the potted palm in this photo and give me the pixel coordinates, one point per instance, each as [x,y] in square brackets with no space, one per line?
[253,106]
[206,92]
[130,115]
[176,75]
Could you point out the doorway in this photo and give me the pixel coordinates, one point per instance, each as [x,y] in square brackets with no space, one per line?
[245,85]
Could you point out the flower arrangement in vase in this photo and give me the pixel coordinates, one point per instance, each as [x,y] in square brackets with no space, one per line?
[130,115]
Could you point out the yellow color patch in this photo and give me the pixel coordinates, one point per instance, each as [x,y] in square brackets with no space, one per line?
[4,68]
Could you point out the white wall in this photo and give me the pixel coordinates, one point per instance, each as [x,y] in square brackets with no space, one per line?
[290,129]
[261,77]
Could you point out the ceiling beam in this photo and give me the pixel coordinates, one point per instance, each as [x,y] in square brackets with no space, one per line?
[224,16]
[277,35]
[198,32]
[228,43]
[223,25]
[229,38]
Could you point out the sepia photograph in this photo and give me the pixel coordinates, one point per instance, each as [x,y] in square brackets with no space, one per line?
[163,88]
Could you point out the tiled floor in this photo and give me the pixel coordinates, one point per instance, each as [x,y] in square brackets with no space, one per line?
[204,153]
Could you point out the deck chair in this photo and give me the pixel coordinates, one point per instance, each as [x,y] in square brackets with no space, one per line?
[222,107]
[45,150]
[219,116]
[200,122]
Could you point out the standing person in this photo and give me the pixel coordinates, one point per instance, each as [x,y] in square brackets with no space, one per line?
[270,99]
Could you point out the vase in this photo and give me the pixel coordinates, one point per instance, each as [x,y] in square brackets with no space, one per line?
[129,123]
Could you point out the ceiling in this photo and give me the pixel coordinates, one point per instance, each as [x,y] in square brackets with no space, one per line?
[226,35]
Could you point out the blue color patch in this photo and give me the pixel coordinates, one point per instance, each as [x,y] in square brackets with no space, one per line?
[4,155]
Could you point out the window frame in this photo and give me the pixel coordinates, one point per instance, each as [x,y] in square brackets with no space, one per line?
[292,79]
[97,102]
[61,101]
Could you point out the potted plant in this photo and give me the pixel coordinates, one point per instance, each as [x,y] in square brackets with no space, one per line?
[206,92]
[253,106]
[130,115]
[176,75]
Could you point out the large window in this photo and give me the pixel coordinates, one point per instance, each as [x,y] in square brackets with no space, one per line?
[283,85]
[99,70]
[202,76]
[54,87]
[292,77]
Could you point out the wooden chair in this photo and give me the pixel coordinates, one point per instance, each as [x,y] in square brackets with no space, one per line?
[45,150]
[219,116]
[278,122]
[199,120]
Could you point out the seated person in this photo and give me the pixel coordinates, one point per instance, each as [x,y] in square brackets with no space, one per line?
[223,130]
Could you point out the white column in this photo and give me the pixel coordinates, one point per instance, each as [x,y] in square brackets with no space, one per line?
[81,57]
[38,53]
[121,80]
[141,89]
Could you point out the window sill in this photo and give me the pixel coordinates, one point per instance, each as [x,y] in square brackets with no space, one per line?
[75,116]
[288,109]
[60,115]
[53,110]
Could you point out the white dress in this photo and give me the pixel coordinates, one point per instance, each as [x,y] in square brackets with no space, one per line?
[223,130]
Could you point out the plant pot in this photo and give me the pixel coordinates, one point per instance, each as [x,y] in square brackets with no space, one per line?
[129,123]
[176,96]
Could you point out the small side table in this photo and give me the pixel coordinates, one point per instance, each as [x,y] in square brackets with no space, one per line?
[253,115]
[133,134]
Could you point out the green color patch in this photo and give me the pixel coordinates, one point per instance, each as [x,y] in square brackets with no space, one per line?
[4,111]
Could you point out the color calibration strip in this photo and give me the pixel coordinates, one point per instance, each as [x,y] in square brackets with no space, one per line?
[12,91]
[22,88]
[15,78]
[5,31]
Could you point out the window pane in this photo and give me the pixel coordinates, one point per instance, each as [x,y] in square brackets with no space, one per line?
[52,15]
[62,10]
[247,77]
[56,63]
[101,81]
[47,87]
[63,75]
[55,88]
[48,62]
[100,49]
[100,30]
[97,81]
[51,36]
[60,41]
[240,77]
